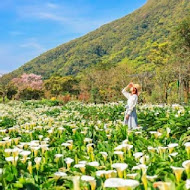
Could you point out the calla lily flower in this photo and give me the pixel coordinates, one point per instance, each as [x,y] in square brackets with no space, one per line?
[46,139]
[57,157]
[141,167]
[137,155]
[87,140]
[90,147]
[119,147]
[174,154]
[83,162]
[132,176]
[93,164]
[58,175]
[12,159]
[151,178]
[186,165]
[110,174]
[35,150]
[70,141]
[60,130]
[40,137]
[144,159]
[8,152]
[30,167]
[100,173]
[187,184]
[38,161]
[25,154]
[74,130]
[68,162]
[125,141]
[120,154]
[168,130]
[91,180]
[44,148]
[121,184]
[105,155]
[24,144]
[138,132]
[108,136]
[81,167]
[16,151]
[120,167]
[16,140]
[171,147]
[9,159]
[6,138]
[156,133]
[187,147]
[178,172]
[162,150]
[69,145]
[2,143]
[127,147]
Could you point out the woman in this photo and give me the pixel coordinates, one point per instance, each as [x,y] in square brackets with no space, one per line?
[130,113]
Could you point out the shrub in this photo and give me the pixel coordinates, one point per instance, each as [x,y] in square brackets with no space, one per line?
[30,94]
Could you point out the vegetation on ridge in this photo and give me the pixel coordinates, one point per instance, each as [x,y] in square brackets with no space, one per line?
[144,46]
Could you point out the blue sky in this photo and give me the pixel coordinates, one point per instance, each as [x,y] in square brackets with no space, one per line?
[31,27]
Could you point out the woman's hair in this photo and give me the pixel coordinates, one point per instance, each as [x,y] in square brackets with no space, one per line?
[136,91]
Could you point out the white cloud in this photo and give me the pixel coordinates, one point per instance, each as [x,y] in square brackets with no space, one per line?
[15,33]
[14,55]
[11,58]
[52,5]
[34,45]
[2,72]
[50,16]
[76,20]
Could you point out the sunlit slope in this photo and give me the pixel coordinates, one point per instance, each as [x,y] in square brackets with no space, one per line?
[127,38]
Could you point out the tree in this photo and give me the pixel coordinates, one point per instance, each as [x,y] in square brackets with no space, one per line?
[3,92]
[29,86]
[30,94]
[105,84]
[12,90]
[181,48]
[164,77]
[28,81]
[58,85]
[159,54]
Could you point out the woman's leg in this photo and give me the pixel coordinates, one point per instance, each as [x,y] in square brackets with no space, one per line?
[133,119]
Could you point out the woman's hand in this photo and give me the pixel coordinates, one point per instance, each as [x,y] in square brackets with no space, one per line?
[130,85]
[127,116]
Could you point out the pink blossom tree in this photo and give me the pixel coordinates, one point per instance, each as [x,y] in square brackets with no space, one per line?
[28,81]
[29,86]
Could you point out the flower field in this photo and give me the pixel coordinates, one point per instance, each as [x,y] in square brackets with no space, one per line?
[44,145]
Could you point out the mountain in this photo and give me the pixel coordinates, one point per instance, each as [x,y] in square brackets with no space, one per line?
[127,39]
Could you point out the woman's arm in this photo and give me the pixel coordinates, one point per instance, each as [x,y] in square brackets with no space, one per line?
[124,91]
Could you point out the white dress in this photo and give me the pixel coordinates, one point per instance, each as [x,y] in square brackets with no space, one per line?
[130,110]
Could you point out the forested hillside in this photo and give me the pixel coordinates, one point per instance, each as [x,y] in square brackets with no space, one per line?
[137,43]
[129,37]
